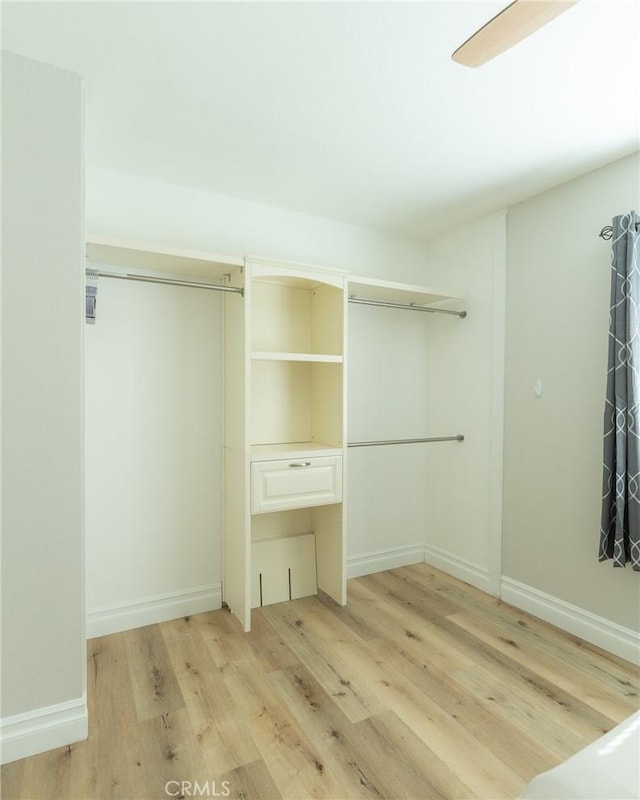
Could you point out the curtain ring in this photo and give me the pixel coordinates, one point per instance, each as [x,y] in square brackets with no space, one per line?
[606,232]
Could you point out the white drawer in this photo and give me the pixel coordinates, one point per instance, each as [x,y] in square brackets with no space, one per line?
[295,483]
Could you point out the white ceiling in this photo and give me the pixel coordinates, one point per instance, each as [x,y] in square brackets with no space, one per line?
[352,111]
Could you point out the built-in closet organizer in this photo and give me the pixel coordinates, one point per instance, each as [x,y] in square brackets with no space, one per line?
[285,436]
[285,432]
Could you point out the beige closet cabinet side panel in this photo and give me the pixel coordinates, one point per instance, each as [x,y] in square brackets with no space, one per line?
[236,581]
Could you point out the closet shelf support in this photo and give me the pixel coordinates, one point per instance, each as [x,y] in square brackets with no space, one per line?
[406,306]
[458,438]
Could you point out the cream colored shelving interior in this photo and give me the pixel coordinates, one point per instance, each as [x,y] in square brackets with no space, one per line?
[284,461]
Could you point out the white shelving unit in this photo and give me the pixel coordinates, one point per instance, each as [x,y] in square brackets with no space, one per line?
[285,436]
[285,431]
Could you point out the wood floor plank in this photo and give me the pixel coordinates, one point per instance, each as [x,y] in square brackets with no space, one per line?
[493,650]
[223,739]
[113,760]
[484,772]
[247,782]
[422,687]
[611,673]
[396,584]
[228,650]
[520,749]
[155,688]
[348,615]
[292,758]
[47,775]
[335,674]
[446,586]
[540,704]
[553,703]
[604,667]
[11,776]
[610,700]
[352,748]
[267,646]
[535,713]
[399,763]
[171,753]
[410,628]
[198,677]
[317,714]
[214,623]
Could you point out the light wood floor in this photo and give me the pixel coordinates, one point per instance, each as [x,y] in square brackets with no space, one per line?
[422,687]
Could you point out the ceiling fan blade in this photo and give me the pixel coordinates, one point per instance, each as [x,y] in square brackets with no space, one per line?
[510,26]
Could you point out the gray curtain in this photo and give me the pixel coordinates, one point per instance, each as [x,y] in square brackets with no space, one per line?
[620,526]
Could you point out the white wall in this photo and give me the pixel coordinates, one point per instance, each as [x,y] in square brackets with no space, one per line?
[136,208]
[388,386]
[557,323]
[466,365]
[154,482]
[140,566]
[43,669]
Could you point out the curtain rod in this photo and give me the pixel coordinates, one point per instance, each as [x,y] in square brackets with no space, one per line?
[131,276]
[406,306]
[607,231]
[458,438]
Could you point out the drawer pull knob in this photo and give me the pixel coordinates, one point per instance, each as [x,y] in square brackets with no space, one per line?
[300,464]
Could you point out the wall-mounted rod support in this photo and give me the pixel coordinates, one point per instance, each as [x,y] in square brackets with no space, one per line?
[129,276]
[458,438]
[407,306]
[606,232]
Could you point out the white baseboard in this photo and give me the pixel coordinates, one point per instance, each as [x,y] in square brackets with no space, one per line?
[608,635]
[379,560]
[125,616]
[43,729]
[392,557]
[460,568]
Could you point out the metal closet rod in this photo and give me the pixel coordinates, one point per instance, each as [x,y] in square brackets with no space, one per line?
[406,306]
[458,438]
[131,276]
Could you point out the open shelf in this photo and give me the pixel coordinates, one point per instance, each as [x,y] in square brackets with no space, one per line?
[159,260]
[319,358]
[296,401]
[392,292]
[303,318]
[265,452]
